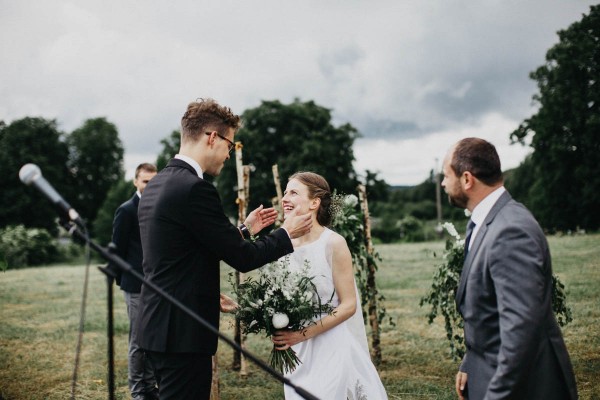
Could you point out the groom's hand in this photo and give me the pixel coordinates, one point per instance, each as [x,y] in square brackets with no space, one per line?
[297,225]
[260,218]
[461,383]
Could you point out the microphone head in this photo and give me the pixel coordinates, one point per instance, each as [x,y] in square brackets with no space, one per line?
[29,172]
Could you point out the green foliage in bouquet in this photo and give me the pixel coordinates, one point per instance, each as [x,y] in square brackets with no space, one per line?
[443,291]
[279,298]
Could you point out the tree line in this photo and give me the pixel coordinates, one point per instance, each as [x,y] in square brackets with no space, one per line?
[558,181]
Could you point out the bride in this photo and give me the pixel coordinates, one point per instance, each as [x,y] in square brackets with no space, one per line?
[334,353]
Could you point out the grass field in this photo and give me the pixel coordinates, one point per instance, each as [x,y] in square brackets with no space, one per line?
[39,310]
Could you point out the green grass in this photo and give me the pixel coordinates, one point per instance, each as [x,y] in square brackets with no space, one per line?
[39,314]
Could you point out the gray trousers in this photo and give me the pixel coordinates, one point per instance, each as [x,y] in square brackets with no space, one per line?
[140,374]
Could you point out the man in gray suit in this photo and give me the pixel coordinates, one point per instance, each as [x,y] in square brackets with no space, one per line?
[515,348]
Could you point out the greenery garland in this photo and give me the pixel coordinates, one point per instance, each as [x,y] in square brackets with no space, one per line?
[348,221]
[443,291]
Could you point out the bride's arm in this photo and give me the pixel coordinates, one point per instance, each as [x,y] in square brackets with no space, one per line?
[343,280]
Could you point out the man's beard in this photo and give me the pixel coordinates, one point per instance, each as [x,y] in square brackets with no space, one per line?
[459,200]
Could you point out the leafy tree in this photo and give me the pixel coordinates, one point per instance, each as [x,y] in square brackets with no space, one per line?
[119,193]
[170,148]
[298,136]
[519,180]
[565,192]
[96,162]
[38,141]
[377,189]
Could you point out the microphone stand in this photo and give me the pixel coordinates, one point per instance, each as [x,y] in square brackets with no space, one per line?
[111,274]
[115,260]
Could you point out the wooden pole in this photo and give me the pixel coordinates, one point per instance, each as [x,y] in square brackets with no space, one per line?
[371,286]
[215,391]
[243,183]
[438,200]
[243,214]
[277,201]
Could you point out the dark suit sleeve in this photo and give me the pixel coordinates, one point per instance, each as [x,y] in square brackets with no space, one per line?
[518,266]
[223,239]
[122,225]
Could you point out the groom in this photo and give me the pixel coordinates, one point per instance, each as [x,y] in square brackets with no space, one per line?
[514,346]
[185,235]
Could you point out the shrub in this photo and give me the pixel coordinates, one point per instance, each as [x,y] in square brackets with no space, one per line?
[22,247]
[411,229]
[385,230]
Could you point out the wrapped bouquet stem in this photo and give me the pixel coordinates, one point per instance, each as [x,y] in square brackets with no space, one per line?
[279,299]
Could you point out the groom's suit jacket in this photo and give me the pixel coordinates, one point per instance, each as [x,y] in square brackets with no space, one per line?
[185,234]
[515,349]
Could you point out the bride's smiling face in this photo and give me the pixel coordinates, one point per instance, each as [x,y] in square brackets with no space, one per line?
[296,196]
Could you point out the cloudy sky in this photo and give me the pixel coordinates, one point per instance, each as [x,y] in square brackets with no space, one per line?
[413,76]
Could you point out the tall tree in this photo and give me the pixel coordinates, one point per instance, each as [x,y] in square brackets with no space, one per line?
[96,162]
[119,193]
[377,189]
[170,148]
[565,193]
[38,141]
[298,136]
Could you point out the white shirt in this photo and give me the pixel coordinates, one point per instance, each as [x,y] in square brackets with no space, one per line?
[482,209]
[192,163]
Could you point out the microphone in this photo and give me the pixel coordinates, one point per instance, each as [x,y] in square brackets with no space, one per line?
[30,174]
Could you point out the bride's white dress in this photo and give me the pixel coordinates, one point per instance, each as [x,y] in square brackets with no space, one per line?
[336,364]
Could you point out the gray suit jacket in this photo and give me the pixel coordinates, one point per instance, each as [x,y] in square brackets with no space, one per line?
[515,348]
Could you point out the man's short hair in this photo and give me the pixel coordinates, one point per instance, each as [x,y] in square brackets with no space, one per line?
[480,158]
[145,167]
[206,115]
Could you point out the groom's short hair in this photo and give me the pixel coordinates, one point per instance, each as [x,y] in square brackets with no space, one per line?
[480,158]
[206,115]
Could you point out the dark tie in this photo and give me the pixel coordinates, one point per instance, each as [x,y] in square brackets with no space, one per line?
[470,228]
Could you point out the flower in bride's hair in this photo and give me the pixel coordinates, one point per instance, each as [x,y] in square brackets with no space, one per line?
[336,207]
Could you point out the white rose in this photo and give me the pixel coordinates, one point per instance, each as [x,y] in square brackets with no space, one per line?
[351,200]
[280,320]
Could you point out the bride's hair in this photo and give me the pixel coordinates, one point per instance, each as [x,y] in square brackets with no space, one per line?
[317,188]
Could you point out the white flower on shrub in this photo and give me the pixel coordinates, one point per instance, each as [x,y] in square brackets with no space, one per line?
[351,200]
[280,320]
[449,227]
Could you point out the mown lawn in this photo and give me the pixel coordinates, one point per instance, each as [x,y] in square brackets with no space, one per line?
[39,313]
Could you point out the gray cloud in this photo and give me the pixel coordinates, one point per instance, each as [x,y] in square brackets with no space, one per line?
[401,72]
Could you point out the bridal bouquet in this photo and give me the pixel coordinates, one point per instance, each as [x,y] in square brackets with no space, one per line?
[279,298]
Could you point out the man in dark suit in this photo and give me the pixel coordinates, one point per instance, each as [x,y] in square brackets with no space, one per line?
[185,234]
[126,237]
[515,349]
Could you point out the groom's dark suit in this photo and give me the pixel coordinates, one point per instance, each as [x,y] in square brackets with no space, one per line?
[514,346]
[185,234]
